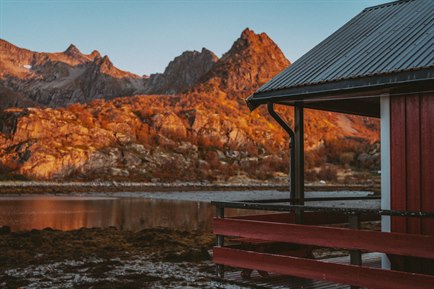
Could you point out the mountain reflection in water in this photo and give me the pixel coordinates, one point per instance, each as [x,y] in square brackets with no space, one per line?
[69,213]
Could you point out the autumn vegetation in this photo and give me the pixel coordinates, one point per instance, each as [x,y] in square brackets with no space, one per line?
[205,133]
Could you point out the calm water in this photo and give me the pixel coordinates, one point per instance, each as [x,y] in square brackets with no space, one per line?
[179,210]
[68,213]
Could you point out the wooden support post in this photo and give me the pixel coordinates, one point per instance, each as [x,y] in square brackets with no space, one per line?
[299,159]
[220,241]
[355,255]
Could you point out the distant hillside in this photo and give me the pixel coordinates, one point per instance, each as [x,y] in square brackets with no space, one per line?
[204,133]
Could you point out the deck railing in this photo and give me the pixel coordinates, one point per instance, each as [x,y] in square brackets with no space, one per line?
[305,225]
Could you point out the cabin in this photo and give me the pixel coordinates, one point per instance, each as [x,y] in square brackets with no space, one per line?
[380,64]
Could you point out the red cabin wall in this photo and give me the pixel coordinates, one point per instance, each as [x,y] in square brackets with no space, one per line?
[412,161]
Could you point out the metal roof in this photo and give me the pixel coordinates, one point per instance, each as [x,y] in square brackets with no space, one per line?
[384,40]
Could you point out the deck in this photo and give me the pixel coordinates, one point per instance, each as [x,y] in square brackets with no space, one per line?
[283,242]
[277,281]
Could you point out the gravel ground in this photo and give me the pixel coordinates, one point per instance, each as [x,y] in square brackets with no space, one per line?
[209,196]
[137,272]
[42,188]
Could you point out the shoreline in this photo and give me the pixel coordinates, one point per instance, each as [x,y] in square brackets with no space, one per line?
[34,188]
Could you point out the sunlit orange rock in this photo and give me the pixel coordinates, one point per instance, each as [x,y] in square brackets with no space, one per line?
[206,132]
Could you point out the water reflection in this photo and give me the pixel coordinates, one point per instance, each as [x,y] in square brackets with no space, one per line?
[68,213]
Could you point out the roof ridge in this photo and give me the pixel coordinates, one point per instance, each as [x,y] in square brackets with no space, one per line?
[386,5]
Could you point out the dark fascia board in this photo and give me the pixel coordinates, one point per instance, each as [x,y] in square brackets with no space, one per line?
[350,106]
[344,88]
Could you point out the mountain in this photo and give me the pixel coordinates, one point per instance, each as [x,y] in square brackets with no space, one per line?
[30,78]
[58,79]
[182,73]
[204,133]
[252,60]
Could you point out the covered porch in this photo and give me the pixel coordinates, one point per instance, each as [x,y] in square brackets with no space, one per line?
[278,249]
[353,71]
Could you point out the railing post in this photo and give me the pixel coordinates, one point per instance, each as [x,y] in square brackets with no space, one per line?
[355,255]
[220,240]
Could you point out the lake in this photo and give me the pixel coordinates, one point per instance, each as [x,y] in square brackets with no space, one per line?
[68,213]
[134,211]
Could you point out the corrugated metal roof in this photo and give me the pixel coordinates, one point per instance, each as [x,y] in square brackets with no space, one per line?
[384,39]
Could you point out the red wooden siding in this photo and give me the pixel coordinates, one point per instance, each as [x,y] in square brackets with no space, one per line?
[412,169]
[397,161]
[412,149]
[412,160]
[427,159]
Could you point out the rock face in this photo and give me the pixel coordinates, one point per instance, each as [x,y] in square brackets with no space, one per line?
[59,79]
[30,78]
[252,60]
[182,73]
[206,133]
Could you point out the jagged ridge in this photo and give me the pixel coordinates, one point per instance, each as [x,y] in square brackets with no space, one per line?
[205,133]
[59,79]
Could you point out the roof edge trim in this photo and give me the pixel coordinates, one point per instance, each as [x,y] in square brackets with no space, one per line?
[341,87]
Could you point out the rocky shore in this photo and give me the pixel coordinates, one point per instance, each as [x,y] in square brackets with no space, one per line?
[106,258]
[32,187]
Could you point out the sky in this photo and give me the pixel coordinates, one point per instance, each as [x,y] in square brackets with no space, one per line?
[143,36]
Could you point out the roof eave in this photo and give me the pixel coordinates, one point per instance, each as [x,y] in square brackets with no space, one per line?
[251,103]
[345,88]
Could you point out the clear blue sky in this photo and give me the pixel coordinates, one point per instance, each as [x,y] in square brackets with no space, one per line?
[143,36]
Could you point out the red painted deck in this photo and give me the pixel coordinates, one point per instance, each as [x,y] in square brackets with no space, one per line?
[403,244]
[319,270]
[277,281]
[272,229]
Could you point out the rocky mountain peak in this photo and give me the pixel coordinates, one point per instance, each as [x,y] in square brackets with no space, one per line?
[105,66]
[95,54]
[105,63]
[191,58]
[182,73]
[247,33]
[252,60]
[73,51]
[209,54]
[249,39]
